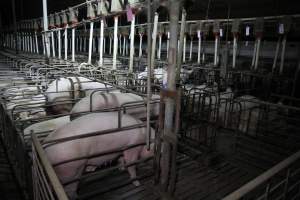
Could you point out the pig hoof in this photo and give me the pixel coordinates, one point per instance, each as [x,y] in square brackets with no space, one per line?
[136,183]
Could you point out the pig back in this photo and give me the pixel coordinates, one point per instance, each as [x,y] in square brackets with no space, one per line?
[96,144]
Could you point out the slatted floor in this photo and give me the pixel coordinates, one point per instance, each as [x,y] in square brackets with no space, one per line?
[195,180]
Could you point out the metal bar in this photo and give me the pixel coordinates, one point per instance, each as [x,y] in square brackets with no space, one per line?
[257,53]
[132,34]
[36,43]
[53,46]
[168,44]
[276,54]
[171,86]
[180,46]
[184,48]
[45,21]
[73,44]
[124,45]
[234,51]
[140,46]
[66,43]
[57,187]
[90,42]
[115,50]
[191,48]
[254,53]
[282,54]
[241,192]
[159,47]
[101,43]
[15,24]
[199,46]
[216,50]
[149,71]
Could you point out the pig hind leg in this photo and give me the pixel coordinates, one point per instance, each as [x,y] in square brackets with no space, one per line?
[132,155]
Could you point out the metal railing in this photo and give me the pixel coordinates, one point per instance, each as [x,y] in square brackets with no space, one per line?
[280,182]
[45,181]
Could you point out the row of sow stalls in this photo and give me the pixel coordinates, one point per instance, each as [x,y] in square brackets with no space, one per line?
[214,156]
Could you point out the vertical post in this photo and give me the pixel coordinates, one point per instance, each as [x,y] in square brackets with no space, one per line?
[91,42]
[110,44]
[115,42]
[101,43]
[73,44]
[59,45]
[159,46]
[46,37]
[171,86]
[254,54]
[191,48]
[216,50]
[104,44]
[180,46]
[30,42]
[168,44]
[234,51]
[132,34]
[257,53]
[184,48]
[36,43]
[199,46]
[66,42]
[282,54]
[276,54]
[43,41]
[140,47]
[15,24]
[124,45]
[53,46]
[154,36]
[149,70]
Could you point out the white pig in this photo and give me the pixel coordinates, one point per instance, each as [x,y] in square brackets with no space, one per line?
[89,146]
[60,90]
[113,100]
